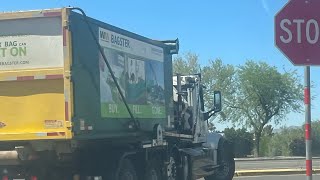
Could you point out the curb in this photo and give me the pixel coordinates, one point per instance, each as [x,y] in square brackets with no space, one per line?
[272,159]
[273,172]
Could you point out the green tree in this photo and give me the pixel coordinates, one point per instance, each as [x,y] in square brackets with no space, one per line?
[221,77]
[241,140]
[290,141]
[187,64]
[265,145]
[266,137]
[268,131]
[264,95]
[315,131]
[254,94]
[297,147]
[215,76]
[284,141]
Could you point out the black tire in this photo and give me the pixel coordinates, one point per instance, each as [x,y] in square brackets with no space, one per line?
[127,171]
[153,170]
[226,162]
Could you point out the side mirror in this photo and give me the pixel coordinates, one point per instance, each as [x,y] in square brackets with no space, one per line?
[217,102]
[217,105]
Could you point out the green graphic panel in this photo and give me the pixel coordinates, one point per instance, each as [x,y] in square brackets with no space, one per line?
[138,68]
[139,111]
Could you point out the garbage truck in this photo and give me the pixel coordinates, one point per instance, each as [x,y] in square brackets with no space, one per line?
[81,99]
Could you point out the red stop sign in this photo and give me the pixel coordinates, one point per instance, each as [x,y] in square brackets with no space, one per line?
[297,31]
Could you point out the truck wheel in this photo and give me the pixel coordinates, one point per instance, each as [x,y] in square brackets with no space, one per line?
[127,171]
[184,170]
[226,162]
[152,171]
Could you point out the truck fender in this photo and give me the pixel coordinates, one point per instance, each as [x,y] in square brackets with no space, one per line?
[212,145]
[213,140]
[122,157]
[216,141]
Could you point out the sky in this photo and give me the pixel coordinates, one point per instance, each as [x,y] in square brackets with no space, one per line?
[234,31]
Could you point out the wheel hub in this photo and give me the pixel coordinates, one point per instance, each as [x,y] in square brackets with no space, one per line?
[171,169]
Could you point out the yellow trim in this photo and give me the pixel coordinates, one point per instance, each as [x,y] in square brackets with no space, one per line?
[29,136]
[67,69]
[26,14]
[33,72]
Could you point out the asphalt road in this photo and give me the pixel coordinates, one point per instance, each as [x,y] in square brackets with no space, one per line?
[275,164]
[276,177]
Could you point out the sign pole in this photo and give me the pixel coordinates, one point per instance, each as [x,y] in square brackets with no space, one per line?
[297,37]
[307,101]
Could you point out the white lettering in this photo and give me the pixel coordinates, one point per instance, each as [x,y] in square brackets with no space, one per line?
[298,22]
[283,27]
[113,108]
[316,31]
[136,109]
[156,110]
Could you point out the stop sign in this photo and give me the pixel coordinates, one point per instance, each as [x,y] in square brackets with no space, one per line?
[297,31]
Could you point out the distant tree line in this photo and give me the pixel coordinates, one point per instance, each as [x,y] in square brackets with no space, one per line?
[287,141]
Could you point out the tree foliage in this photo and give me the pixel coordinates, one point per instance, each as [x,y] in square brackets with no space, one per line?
[297,147]
[281,142]
[241,139]
[290,141]
[215,75]
[221,77]
[315,125]
[268,131]
[267,135]
[264,95]
[187,64]
[254,94]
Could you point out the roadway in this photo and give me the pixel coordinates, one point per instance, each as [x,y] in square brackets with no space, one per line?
[276,177]
[275,164]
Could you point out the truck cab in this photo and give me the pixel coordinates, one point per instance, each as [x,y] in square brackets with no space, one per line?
[210,154]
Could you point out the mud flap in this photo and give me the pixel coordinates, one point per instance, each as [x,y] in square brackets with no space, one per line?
[200,162]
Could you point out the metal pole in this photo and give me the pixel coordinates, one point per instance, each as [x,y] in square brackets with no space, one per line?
[179,101]
[307,101]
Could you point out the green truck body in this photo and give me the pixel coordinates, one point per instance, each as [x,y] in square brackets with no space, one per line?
[138,64]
